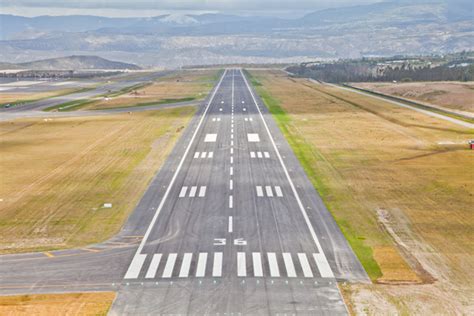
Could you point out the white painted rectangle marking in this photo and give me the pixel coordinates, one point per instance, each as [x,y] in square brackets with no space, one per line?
[155,262]
[201,265]
[203,154]
[257,264]
[231,159]
[231,130]
[323,265]
[231,171]
[213,119]
[250,119]
[168,272]
[183,192]
[192,192]
[231,136]
[253,138]
[202,191]
[231,184]
[210,155]
[273,264]
[135,266]
[231,224]
[232,151]
[210,138]
[231,201]
[220,109]
[259,154]
[305,265]
[218,119]
[241,264]
[232,143]
[217,265]
[185,265]
[259,191]
[196,154]
[246,119]
[252,154]
[266,154]
[244,109]
[290,267]
[278,191]
[269,191]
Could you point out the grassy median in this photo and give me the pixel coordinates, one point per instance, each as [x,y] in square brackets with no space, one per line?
[58,173]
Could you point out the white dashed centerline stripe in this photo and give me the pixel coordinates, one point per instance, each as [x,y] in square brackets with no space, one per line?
[139,258]
[257,264]
[183,192]
[217,265]
[231,184]
[185,265]
[201,265]
[231,170]
[168,272]
[231,201]
[273,264]
[231,224]
[290,267]
[298,199]
[305,265]
[152,269]
[241,264]
[231,159]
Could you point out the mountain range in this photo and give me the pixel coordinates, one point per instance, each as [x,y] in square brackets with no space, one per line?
[380,29]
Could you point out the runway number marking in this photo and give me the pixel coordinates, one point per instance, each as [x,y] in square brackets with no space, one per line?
[223,241]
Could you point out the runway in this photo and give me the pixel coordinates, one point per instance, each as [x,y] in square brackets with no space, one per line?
[231,225]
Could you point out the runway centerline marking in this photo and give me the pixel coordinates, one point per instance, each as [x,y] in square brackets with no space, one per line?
[231,224]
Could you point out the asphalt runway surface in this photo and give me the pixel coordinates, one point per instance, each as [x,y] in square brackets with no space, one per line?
[230,225]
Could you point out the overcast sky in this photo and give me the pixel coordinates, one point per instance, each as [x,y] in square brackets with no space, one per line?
[123,8]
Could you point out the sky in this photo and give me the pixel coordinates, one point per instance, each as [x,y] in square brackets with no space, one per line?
[133,8]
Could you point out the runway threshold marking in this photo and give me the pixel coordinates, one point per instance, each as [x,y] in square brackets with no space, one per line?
[321,256]
[139,258]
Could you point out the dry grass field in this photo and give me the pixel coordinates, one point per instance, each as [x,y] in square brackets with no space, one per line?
[56,174]
[177,87]
[399,185]
[90,304]
[450,95]
[8,97]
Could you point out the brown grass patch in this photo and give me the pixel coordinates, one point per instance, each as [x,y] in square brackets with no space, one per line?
[451,95]
[179,86]
[57,304]
[6,97]
[57,174]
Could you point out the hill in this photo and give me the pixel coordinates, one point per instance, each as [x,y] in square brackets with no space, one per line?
[71,63]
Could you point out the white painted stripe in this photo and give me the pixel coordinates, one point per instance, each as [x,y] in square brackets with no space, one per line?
[231,171]
[246,119]
[211,154]
[232,143]
[231,201]
[217,265]
[196,154]
[232,151]
[259,154]
[259,191]
[231,130]
[266,154]
[252,154]
[253,138]
[183,192]
[155,262]
[201,265]
[231,159]
[290,267]
[185,265]
[138,254]
[273,263]
[192,192]
[220,109]
[292,185]
[278,191]
[231,136]
[202,191]
[231,184]
[231,224]
[214,119]
[244,109]
[232,125]
[323,265]
[218,119]
[203,154]
[168,272]
[305,265]
[135,267]
[241,264]
[269,191]
[210,138]
[251,119]
[257,264]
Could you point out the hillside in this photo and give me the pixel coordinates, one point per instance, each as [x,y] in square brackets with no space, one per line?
[71,63]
